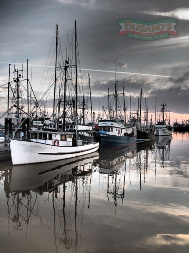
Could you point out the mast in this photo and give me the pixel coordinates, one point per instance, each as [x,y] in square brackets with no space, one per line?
[59,103]
[109,103]
[27,88]
[115,92]
[76,119]
[65,87]
[8,92]
[90,99]
[55,72]
[116,98]
[18,96]
[140,107]
[155,109]
[163,111]
[130,109]
[124,107]
[146,103]
[83,110]
[138,111]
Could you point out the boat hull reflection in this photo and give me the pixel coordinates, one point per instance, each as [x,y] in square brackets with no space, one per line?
[33,176]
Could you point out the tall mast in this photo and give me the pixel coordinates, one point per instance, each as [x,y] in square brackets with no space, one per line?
[27,88]
[83,110]
[115,92]
[116,98]
[55,72]
[163,111]
[8,92]
[155,109]
[140,107]
[65,87]
[124,107]
[76,119]
[146,103]
[18,96]
[130,109]
[109,103]
[90,98]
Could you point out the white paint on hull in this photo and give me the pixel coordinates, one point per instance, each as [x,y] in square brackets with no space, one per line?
[23,152]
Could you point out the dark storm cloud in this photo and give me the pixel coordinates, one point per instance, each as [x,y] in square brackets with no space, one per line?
[176,99]
[131,85]
[173,90]
[182,80]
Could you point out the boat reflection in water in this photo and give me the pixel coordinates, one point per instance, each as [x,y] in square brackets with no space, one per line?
[62,197]
[122,168]
[47,176]
[163,148]
[53,194]
[112,163]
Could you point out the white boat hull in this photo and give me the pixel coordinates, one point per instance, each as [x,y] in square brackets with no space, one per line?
[23,152]
[163,132]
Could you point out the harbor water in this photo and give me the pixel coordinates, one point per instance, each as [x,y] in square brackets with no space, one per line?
[114,200]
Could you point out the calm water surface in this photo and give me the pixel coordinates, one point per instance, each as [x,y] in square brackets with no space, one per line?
[132,200]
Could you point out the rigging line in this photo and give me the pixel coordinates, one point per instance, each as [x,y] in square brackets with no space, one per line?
[47,59]
[5,84]
[50,86]
[79,64]
[60,49]
[6,111]
[47,71]
[30,116]
[33,93]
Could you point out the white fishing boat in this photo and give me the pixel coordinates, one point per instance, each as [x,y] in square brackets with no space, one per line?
[56,146]
[53,144]
[161,128]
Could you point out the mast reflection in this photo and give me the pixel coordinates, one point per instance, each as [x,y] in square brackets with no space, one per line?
[64,188]
[121,167]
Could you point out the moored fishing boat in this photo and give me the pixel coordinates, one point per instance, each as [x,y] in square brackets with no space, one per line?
[114,133]
[53,144]
[50,147]
[161,128]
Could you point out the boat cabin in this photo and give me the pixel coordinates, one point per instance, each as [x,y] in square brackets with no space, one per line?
[113,127]
[52,138]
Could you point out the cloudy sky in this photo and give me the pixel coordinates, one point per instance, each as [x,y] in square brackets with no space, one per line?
[159,67]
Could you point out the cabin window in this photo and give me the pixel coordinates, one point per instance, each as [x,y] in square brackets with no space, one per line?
[63,137]
[34,136]
[44,136]
[50,136]
[40,136]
